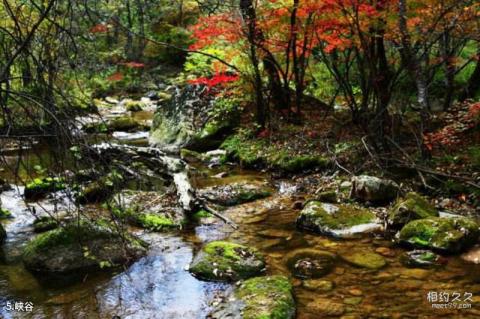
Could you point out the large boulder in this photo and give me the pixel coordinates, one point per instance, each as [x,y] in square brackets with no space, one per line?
[341,221]
[447,235]
[225,261]
[80,247]
[235,193]
[411,207]
[267,297]
[373,189]
[190,119]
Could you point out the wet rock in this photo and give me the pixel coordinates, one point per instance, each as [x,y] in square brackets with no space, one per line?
[412,207]
[275,233]
[78,248]
[3,234]
[235,193]
[472,255]
[324,307]
[134,106]
[111,100]
[44,223]
[5,213]
[95,192]
[447,235]
[318,285]
[40,187]
[257,298]
[342,221]
[373,189]
[124,124]
[186,122]
[225,261]
[364,259]
[414,273]
[152,95]
[309,263]
[422,259]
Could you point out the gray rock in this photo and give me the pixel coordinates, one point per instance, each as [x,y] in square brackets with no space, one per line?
[373,189]
[411,207]
[79,248]
[235,193]
[185,121]
[342,221]
[310,263]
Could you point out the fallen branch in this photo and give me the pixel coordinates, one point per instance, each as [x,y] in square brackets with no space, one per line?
[217,214]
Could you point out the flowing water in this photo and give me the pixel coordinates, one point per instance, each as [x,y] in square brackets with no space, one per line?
[159,285]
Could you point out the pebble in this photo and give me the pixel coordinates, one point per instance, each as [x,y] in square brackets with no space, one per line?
[318,285]
[384,251]
[355,292]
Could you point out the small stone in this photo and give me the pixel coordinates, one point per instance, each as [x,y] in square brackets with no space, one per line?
[365,259]
[325,307]
[220,175]
[415,273]
[309,263]
[472,255]
[355,292]
[318,285]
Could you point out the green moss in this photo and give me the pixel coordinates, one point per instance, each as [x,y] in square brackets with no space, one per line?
[123,123]
[445,234]
[251,151]
[134,106]
[344,217]
[225,261]
[5,213]
[412,207]
[201,214]
[155,222]
[41,186]
[365,259]
[267,298]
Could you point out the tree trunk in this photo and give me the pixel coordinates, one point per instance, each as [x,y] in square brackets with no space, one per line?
[473,85]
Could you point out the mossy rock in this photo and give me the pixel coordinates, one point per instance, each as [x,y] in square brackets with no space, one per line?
[421,259]
[235,193]
[134,106]
[412,207]
[364,259]
[40,187]
[80,247]
[309,263]
[3,234]
[95,192]
[5,213]
[447,235]
[342,221]
[225,261]
[44,223]
[155,222]
[267,297]
[123,124]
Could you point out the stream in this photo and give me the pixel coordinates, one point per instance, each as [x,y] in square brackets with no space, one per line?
[160,286]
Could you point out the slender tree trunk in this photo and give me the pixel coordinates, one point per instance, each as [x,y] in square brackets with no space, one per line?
[473,85]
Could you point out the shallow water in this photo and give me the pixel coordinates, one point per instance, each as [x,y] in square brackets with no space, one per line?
[159,286]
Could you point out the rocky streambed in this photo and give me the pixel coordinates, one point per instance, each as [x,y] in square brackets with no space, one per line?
[239,244]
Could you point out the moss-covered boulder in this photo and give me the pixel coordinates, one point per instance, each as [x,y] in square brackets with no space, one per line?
[80,247]
[309,263]
[267,297]
[225,261]
[123,124]
[40,187]
[364,259]
[342,221]
[3,234]
[150,210]
[192,120]
[411,207]
[235,193]
[373,189]
[44,223]
[447,235]
[421,259]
